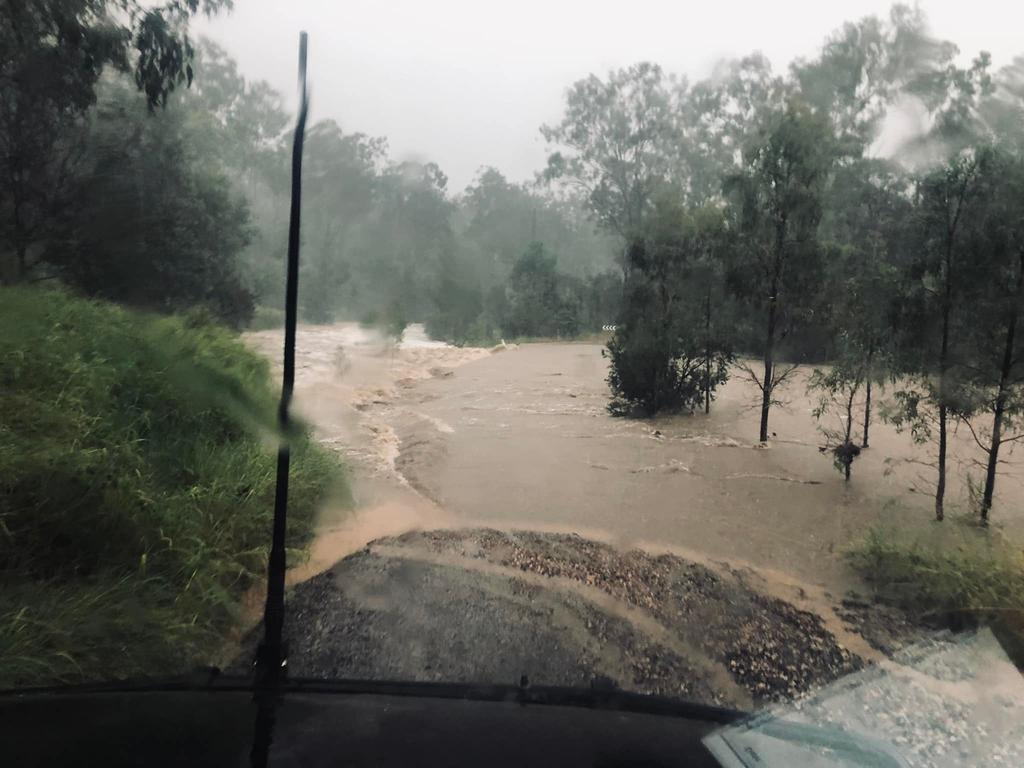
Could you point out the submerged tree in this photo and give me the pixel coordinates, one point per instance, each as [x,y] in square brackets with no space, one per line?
[867,210]
[666,355]
[995,341]
[935,316]
[837,388]
[778,199]
[707,240]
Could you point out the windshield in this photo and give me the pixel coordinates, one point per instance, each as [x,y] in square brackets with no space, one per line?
[672,348]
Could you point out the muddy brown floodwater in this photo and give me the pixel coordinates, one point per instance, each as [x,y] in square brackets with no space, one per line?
[516,440]
[523,439]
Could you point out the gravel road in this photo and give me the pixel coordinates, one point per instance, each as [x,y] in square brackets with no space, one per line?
[490,606]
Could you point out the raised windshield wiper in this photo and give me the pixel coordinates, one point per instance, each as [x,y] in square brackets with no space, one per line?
[270,668]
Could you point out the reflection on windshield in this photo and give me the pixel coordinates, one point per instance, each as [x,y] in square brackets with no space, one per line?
[706,383]
[944,701]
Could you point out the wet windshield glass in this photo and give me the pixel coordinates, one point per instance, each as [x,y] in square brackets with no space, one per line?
[676,349]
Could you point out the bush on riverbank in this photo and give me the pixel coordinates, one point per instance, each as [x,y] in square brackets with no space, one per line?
[136,487]
[967,578]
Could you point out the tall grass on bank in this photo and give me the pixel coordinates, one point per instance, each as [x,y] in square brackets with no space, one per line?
[136,488]
[965,577]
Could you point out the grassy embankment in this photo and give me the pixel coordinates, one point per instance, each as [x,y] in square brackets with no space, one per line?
[136,488]
[953,574]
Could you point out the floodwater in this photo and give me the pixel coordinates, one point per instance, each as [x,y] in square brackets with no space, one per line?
[519,437]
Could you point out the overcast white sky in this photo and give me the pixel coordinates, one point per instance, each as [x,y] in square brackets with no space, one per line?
[467,83]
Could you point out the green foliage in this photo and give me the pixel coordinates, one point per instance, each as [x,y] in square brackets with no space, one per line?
[663,356]
[501,219]
[136,481]
[778,199]
[153,225]
[836,388]
[541,301]
[965,578]
[615,134]
[653,370]
[54,56]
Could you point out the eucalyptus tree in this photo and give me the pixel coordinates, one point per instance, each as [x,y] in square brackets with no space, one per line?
[54,54]
[715,119]
[778,197]
[995,342]
[867,209]
[612,145]
[866,67]
[936,308]
[342,195]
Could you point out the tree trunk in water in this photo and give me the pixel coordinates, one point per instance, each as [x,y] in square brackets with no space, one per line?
[867,415]
[940,487]
[769,346]
[769,365]
[1000,409]
[993,457]
[847,441]
[707,353]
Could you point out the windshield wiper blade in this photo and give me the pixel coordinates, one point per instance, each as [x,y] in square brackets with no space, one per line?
[271,656]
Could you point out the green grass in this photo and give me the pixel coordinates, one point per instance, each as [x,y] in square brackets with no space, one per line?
[136,488]
[955,575]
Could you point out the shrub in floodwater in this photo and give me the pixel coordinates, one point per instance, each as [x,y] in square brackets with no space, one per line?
[136,486]
[662,359]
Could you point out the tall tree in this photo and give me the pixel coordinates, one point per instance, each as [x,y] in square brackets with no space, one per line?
[716,118]
[613,140]
[995,244]
[155,222]
[343,193]
[934,308]
[866,212]
[53,56]
[865,67]
[778,199]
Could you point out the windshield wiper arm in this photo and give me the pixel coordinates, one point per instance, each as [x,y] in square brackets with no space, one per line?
[271,656]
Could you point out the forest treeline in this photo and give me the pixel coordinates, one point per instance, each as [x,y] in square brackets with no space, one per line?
[790,216]
[175,195]
[794,217]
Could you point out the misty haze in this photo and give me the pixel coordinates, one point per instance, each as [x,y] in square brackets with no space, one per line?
[676,351]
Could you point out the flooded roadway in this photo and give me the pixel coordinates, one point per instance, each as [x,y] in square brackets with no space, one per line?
[724,580]
[520,438]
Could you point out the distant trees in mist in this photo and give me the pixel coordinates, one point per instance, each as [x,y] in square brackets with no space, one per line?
[749,212]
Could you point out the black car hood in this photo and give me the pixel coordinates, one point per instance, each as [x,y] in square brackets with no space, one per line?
[211,721]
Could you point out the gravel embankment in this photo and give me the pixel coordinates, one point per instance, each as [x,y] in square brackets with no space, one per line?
[485,606]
